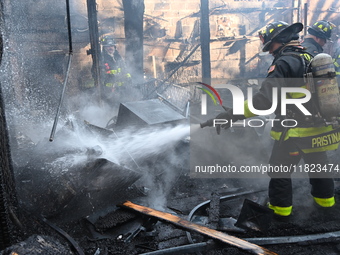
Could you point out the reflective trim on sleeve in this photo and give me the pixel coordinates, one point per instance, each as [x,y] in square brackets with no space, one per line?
[312,139]
[247,112]
[298,95]
[302,132]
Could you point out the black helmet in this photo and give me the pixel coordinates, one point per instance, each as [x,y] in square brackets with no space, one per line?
[321,29]
[108,41]
[279,31]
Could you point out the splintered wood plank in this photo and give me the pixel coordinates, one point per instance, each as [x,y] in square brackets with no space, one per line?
[240,243]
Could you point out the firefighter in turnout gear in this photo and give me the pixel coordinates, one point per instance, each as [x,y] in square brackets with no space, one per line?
[317,36]
[336,61]
[308,138]
[116,79]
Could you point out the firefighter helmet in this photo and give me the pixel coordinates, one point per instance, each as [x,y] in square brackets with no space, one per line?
[321,29]
[279,31]
[108,41]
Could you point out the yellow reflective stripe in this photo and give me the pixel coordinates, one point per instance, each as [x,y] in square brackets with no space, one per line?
[297,95]
[325,202]
[301,132]
[306,56]
[310,131]
[247,112]
[306,132]
[277,135]
[283,211]
[112,72]
[336,64]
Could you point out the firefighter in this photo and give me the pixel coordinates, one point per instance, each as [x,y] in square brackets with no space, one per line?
[317,36]
[291,144]
[115,77]
[336,60]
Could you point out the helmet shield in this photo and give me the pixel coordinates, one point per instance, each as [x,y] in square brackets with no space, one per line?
[322,29]
[108,41]
[278,32]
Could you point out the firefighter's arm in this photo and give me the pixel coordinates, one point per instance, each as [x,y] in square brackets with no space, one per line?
[276,78]
[113,71]
[336,62]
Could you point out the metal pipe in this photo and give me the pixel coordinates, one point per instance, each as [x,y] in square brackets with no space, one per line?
[67,72]
[69,26]
[183,249]
[61,99]
[305,18]
[205,42]
[187,112]
[293,239]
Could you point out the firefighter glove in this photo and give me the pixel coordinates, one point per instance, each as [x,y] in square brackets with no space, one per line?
[223,119]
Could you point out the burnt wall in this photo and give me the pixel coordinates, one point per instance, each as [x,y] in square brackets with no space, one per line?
[37,41]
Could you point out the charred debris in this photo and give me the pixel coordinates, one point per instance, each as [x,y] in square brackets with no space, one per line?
[81,177]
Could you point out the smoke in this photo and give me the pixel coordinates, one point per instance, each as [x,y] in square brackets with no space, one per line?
[158,153]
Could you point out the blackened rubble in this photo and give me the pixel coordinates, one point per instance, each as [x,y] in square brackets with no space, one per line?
[82,200]
[69,190]
[107,231]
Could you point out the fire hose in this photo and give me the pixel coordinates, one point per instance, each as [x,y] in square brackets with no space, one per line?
[64,234]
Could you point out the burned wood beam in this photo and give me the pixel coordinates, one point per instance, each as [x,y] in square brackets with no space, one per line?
[231,240]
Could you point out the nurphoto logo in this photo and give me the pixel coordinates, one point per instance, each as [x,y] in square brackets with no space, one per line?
[239,99]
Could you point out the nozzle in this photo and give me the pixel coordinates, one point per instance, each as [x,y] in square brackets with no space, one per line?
[205,124]
[225,108]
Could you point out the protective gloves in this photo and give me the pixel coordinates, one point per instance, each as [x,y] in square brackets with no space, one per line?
[227,115]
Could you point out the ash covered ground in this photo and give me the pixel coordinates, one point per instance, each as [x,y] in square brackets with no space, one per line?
[69,190]
[77,189]
[116,226]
